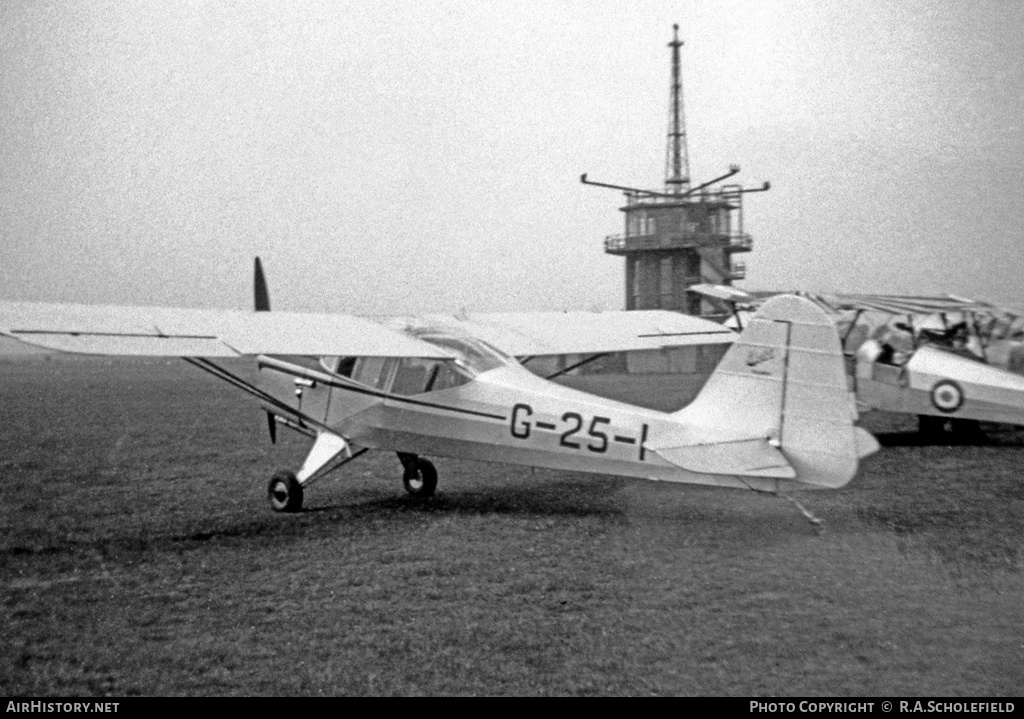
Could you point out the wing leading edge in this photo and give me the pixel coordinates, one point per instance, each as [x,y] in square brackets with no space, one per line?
[181,332]
[178,332]
[551,333]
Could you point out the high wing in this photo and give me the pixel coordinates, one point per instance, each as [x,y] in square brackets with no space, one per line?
[549,333]
[170,332]
[178,332]
[776,415]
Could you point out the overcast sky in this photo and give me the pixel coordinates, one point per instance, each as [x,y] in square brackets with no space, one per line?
[396,156]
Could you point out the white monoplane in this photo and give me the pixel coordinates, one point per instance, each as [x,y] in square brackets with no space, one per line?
[952,361]
[775,416]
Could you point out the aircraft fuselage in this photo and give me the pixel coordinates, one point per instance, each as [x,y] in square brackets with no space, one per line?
[510,415]
[506,414]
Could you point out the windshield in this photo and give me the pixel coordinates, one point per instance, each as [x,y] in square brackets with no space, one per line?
[472,354]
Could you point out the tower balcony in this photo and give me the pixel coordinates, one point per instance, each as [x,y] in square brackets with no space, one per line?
[624,244]
[740,242]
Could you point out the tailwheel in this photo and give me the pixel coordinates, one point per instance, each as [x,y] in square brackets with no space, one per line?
[420,477]
[284,492]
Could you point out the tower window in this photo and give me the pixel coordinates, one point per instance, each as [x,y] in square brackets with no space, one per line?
[666,290]
[635,289]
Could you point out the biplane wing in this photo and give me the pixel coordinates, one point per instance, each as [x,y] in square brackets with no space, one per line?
[838,302]
[950,360]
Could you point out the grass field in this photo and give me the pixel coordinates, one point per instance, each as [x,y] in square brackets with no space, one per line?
[138,556]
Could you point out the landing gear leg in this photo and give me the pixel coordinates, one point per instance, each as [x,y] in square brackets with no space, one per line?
[329,452]
[419,476]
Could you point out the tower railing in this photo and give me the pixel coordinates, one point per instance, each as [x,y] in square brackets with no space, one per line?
[738,270]
[736,241]
[741,241]
[714,196]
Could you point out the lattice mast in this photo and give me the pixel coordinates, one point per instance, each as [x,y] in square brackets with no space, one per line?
[677,157]
[684,235]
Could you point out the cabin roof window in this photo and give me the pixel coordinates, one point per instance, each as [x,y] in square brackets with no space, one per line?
[471,353]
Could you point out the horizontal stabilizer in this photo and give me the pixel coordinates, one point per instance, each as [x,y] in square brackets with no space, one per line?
[865,442]
[747,458]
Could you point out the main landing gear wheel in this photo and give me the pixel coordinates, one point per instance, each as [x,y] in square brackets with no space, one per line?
[284,492]
[420,478]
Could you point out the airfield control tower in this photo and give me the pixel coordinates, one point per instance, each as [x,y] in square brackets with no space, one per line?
[683,235]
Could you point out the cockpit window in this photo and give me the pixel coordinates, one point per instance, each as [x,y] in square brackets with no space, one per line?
[372,371]
[473,354]
[417,376]
[339,365]
[414,375]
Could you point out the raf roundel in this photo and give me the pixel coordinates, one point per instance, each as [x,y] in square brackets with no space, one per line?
[947,396]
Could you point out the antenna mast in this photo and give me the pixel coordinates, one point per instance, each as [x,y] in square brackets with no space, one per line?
[677,158]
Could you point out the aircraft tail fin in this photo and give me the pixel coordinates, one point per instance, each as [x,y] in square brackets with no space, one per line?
[778,405]
[261,296]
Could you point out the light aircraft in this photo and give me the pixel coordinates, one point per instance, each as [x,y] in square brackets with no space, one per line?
[775,416]
[953,362]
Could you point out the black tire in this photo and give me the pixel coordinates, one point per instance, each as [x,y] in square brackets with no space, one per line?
[420,481]
[284,492]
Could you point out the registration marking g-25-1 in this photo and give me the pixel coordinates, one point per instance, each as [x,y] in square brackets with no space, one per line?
[595,439]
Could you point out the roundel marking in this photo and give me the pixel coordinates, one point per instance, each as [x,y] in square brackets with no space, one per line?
[947,396]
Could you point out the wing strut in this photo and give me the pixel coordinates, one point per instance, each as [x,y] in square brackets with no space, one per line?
[570,368]
[269,401]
